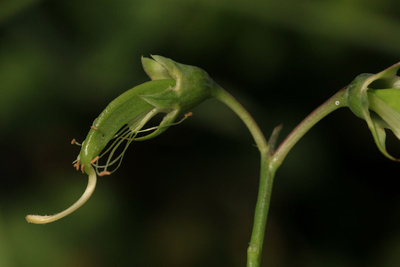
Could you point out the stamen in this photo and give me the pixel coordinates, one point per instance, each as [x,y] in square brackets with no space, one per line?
[74,142]
[103,173]
[38,219]
[94,160]
[187,115]
[128,134]
[125,136]
[120,141]
[167,121]
[120,156]
[76,165]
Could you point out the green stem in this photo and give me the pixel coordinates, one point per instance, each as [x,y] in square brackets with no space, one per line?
[266,177]
[244,115]
[270,163]
[254,251]
[337,101]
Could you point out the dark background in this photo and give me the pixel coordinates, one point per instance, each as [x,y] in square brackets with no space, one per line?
[187,197]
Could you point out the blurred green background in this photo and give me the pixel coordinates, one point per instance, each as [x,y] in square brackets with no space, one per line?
[187,197]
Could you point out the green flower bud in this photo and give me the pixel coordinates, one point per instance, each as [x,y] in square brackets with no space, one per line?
[174,90]
[376,99]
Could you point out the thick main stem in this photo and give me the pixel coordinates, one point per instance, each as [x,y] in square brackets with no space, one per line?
[254,251]
[266,178]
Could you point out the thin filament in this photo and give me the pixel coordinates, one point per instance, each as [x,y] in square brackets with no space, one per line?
[120,156]
[125,134]
[187,115]
[113,148]
[124,131]
[128,134]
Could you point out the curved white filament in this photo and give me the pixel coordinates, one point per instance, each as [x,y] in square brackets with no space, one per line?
[38,219]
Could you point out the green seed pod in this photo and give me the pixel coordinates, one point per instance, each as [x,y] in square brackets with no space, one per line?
[376,99]
[174,90]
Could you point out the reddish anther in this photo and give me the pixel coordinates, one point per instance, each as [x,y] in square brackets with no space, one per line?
[94,160]
[103,173]
[76,165]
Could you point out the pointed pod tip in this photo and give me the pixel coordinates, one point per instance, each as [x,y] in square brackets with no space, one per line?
[38,219]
